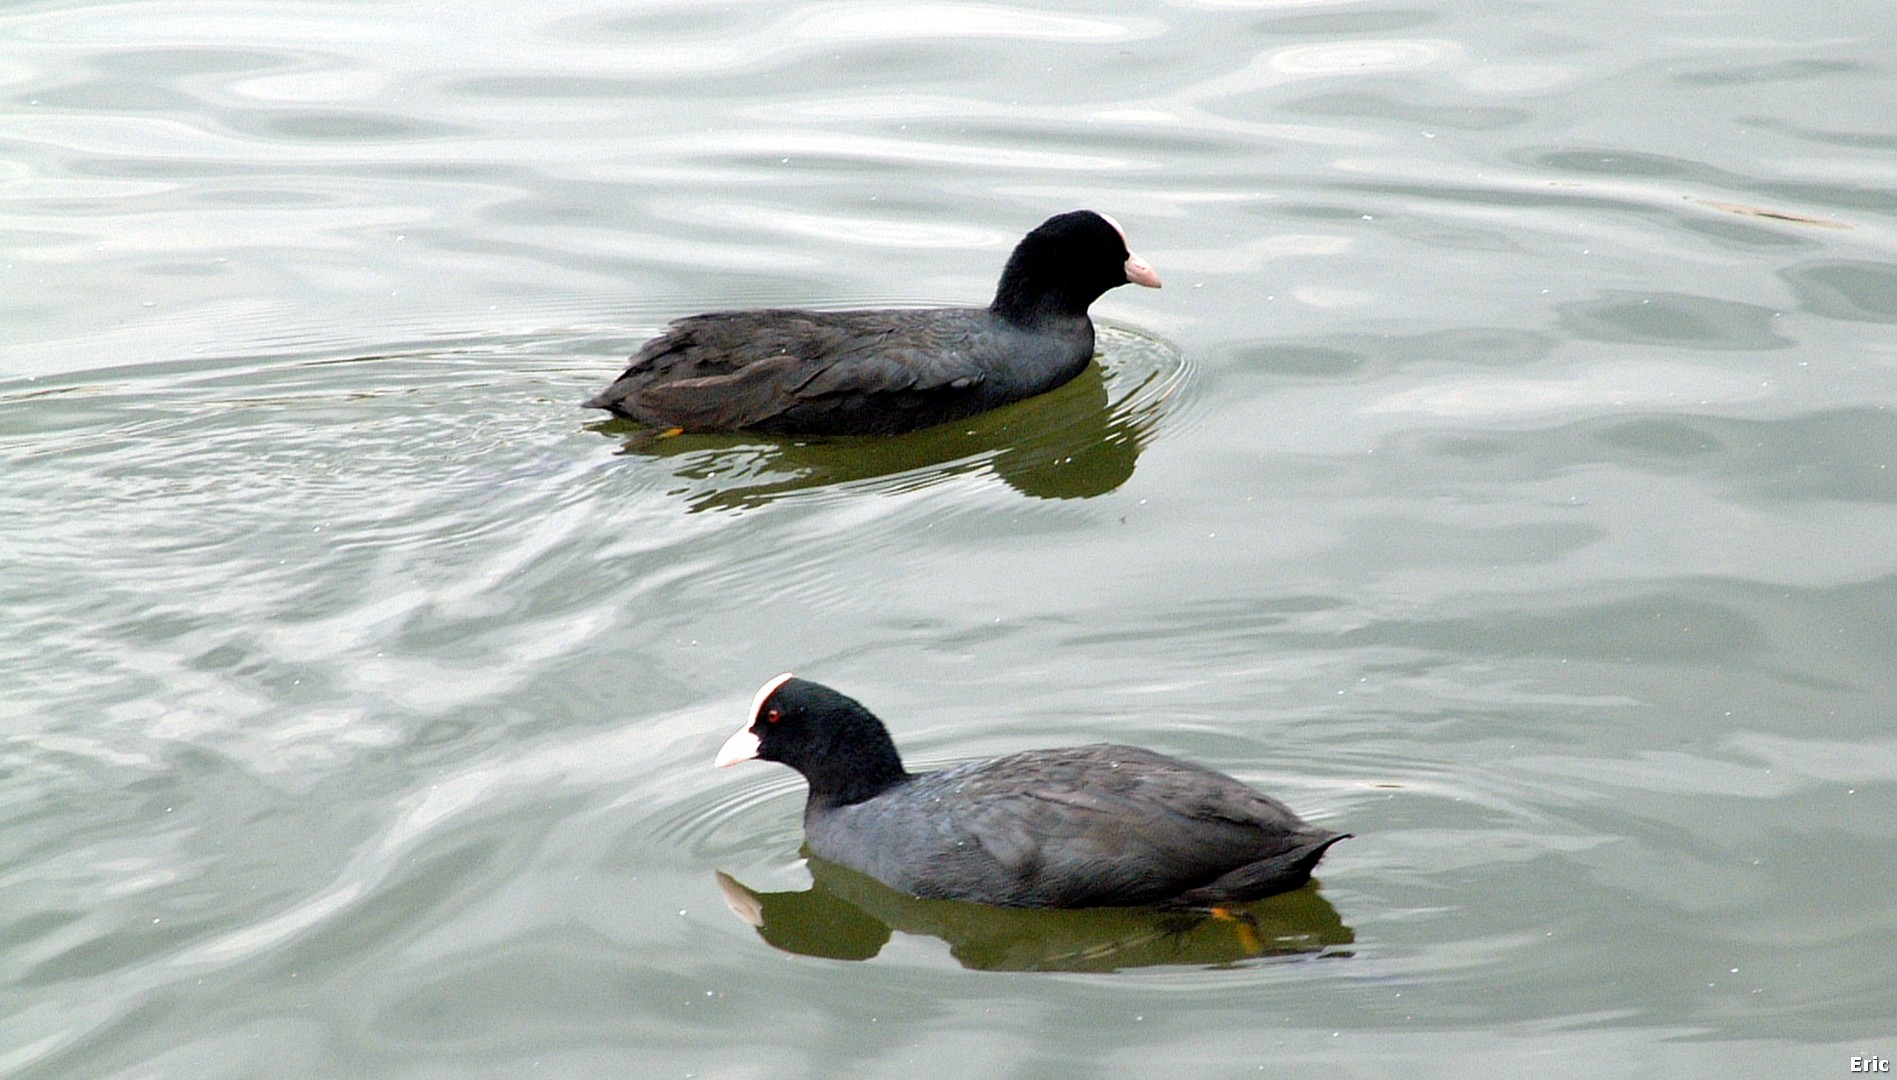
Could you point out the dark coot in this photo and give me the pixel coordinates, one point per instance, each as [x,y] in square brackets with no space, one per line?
[883,372]
[1086,826]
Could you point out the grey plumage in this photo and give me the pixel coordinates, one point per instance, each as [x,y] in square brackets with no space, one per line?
[882,372]
[844,372]
[1088,826]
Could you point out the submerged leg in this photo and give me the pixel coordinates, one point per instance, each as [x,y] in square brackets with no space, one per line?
[1244,924]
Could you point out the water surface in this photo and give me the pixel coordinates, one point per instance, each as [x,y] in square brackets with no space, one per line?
[1505,475]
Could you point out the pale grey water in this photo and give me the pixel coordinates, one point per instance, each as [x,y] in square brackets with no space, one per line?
[1507,474]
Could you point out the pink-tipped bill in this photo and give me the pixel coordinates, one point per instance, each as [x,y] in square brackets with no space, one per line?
[1141,272]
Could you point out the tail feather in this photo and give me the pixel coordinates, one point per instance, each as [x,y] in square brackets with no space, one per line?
[1266,877]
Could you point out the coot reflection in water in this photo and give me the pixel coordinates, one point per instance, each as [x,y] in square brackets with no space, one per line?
[1080,440]
[845,915]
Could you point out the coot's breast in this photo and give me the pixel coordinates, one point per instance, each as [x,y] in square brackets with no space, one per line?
[911,841]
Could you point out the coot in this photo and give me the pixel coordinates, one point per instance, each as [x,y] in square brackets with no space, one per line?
[1087,826]
[882,372]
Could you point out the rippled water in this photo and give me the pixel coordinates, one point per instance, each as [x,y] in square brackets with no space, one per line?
[1506,475]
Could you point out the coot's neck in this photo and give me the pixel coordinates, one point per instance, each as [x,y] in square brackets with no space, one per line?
[1028,294]
[860,761]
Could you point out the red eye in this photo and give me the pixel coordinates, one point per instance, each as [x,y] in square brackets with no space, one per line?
[772,716]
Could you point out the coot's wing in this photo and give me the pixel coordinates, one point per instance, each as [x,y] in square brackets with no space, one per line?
[735,370]
[1120,825]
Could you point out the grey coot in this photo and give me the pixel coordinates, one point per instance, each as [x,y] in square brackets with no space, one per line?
[882,372]
[1086,826]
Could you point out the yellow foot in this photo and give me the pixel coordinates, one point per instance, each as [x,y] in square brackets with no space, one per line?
[670,432]
[1244,926]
